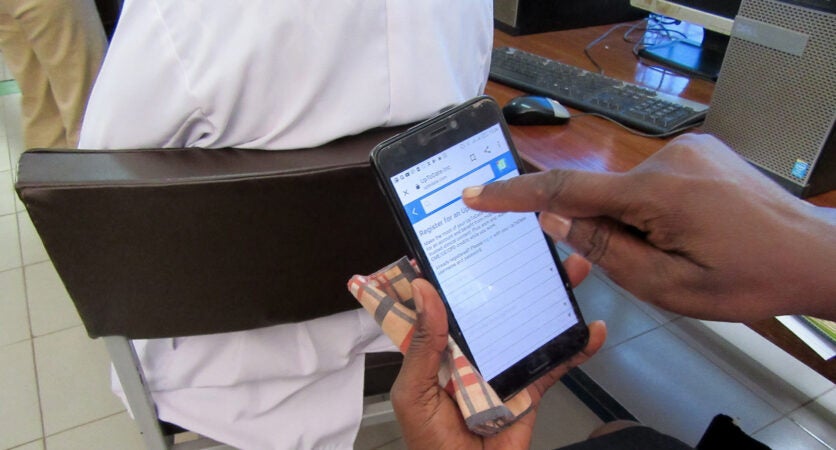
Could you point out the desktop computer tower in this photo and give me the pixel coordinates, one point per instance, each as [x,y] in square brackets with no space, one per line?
[519,17]
[775,99]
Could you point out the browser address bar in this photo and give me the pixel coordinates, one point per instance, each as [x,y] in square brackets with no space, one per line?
[453,190]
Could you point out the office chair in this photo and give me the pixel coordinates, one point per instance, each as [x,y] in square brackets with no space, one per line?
[158,243]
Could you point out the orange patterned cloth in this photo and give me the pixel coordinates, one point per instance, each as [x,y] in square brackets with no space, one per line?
[387,296]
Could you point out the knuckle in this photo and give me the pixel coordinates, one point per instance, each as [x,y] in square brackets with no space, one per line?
[599,242]
[591,238]
[553,188]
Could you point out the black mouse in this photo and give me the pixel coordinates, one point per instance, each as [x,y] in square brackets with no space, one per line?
[534,110]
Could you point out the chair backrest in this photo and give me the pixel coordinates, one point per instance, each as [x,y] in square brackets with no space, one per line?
[164,243]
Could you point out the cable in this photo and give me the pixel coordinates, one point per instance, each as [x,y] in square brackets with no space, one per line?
[661,29]
[655,25]
[656,33]
[636,26]
[604,36]
[663,20]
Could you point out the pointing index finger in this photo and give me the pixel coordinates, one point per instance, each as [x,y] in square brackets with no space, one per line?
[565,192]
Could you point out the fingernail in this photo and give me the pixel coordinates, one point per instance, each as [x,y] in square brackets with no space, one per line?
[472,191]
[419,300]
[555,225]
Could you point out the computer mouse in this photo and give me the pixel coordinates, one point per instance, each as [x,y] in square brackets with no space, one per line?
[534,110]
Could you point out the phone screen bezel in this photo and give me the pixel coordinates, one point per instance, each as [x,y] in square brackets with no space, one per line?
[427,139]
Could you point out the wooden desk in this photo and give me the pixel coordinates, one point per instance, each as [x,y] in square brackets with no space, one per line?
[590,143]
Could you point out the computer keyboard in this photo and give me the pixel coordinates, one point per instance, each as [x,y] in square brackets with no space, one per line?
[634,106]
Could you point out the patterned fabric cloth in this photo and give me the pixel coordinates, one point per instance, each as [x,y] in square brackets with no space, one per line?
[387,296]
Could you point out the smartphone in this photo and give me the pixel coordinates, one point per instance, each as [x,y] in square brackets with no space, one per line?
[509,300]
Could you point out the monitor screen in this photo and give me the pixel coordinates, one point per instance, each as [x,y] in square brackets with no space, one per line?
[702,59]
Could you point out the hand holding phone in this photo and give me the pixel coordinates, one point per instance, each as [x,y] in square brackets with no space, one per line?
[509,301]
[429,418]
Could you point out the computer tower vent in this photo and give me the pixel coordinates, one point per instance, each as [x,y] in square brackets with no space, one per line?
[775,99]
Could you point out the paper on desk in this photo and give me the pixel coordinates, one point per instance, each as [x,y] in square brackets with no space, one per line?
[815,340]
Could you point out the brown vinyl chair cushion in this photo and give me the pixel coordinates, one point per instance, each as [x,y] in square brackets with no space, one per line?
[163,243]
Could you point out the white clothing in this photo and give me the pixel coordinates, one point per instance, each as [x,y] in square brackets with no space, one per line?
[277,75]
[287,386]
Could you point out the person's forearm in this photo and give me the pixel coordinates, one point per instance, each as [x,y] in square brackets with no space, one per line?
[814,265]
[825,300]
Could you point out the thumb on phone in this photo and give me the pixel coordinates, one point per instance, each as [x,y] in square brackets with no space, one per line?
[429,339]
[416,396]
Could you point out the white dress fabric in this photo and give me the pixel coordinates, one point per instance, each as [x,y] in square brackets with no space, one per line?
[277,75]
[289,386]
[282,74]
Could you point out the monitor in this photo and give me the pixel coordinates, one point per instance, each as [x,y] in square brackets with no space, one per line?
[704,58]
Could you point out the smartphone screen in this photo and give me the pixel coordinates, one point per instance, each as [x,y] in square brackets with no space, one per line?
[495,269]
[509,299]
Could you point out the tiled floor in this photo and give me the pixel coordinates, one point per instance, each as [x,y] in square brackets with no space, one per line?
[54,380]
[672,373]
[676,373]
